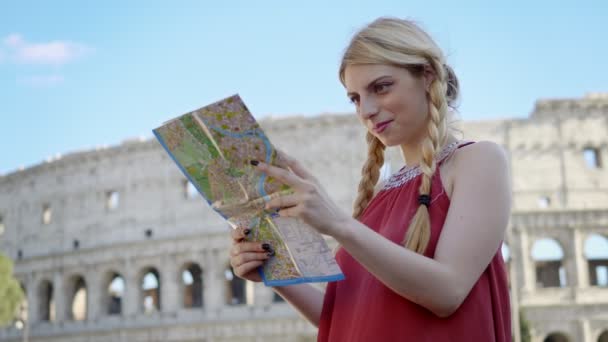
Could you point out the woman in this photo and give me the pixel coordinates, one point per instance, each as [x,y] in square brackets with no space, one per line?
[421,256]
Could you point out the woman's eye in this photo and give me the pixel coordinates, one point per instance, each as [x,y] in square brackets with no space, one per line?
[353,100]
[382,87]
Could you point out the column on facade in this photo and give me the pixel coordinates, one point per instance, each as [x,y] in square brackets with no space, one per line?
[201,261]
[95,292]
[59,297]
[577,272]
[581,261]
[527,278]
[33,300]
[214,280]
[169,285]
[131,292]
[516,282]
[584,329]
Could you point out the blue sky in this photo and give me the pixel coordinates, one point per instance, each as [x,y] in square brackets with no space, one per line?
[75,76]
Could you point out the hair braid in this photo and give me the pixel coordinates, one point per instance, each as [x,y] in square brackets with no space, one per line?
[419,231]
[369,174]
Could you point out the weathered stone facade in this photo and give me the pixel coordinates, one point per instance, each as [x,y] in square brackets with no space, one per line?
[77,224]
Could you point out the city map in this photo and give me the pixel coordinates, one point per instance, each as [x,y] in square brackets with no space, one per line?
[213,147]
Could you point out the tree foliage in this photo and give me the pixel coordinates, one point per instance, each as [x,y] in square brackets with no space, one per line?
[11,295]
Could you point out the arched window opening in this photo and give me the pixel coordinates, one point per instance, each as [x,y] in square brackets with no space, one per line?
[150,286]
[115,292]
[556,337]
[192,282]
[505,251]
[548,257]
[47,302]
[78,299]
[596,253]
[236,292]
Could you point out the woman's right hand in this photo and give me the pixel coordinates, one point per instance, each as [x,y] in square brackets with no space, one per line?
[246,256]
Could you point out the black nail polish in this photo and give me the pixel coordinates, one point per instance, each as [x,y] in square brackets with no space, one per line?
[254,162]
[247,231]
[266,246]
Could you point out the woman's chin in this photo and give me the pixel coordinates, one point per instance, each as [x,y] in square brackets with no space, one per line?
[388,142]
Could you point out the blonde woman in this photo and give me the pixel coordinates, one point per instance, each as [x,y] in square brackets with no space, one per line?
[422,255]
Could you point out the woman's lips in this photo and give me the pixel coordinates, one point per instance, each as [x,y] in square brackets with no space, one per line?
[380,127]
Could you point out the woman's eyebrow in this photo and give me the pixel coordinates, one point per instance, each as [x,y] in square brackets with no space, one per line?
[369,85]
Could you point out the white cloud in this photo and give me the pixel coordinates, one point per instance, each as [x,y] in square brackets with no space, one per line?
[53,52]
[41,80]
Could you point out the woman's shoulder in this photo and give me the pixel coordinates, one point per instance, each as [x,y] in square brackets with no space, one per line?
[468,157]
[485,155]
[480,151]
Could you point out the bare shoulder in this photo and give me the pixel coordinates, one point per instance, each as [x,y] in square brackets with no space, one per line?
[467,161]
[482,155]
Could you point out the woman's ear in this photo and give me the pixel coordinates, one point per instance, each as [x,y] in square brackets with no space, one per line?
[428,76]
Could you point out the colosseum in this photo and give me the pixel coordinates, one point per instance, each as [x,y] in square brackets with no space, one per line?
[113,244]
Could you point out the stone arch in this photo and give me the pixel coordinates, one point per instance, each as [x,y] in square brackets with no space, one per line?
[236,288]
[557,337]
[77,295]
[113,292]
[596,252]
[46,308]
[149,286]
[548,256]
[191,285]
[603,336]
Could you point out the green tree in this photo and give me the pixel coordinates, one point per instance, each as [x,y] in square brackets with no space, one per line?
[524,327]
[11,294]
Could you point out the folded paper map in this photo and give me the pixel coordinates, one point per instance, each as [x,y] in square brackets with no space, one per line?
[213,146]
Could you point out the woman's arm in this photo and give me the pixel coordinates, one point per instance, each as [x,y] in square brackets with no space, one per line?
[307,299]
[473,231]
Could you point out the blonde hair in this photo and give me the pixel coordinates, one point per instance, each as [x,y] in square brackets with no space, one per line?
[402,43]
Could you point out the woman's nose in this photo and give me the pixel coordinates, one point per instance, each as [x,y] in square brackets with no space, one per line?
[368,108]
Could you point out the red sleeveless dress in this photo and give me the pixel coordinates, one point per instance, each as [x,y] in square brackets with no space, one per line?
[361,308]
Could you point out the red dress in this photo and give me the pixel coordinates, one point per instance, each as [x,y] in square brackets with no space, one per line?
[361,308]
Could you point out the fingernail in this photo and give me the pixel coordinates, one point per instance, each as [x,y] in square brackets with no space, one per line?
[254,162]
[247,231]
[266,246]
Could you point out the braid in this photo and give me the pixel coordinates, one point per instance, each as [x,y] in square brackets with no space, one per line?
[419,231]
[369,174]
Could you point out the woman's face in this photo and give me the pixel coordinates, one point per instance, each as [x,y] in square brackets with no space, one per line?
[390,101]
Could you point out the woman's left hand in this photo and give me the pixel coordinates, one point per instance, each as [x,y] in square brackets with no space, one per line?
[309,201]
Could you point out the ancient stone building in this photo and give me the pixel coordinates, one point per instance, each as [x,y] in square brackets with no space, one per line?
[112,244]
